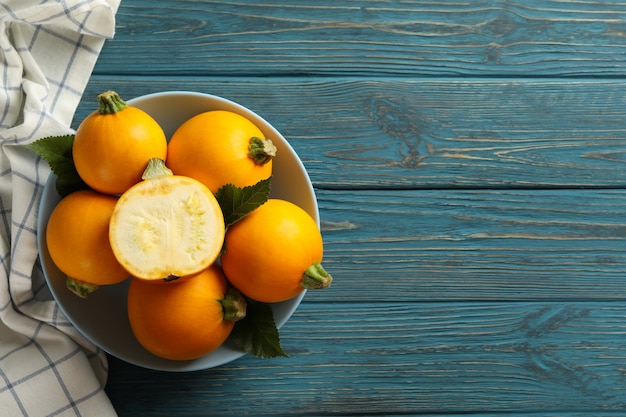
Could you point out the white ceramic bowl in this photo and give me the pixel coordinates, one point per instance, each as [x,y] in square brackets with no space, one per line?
[102,317]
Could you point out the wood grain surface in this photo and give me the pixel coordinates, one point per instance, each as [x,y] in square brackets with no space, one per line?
[447,245]
[409,358]
[469,163]
[369,37]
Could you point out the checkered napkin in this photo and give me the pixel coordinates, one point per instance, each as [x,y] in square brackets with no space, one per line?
[47,52]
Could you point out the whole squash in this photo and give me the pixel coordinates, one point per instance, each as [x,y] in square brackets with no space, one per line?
[112,146]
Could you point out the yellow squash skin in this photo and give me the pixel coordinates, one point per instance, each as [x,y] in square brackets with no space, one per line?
[77,237]
[113,145]
[180,320]
[268,251]
[213,147]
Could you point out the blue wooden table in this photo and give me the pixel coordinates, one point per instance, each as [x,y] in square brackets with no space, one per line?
[469,159]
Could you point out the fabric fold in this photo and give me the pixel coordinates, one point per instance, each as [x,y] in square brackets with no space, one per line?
[47,53]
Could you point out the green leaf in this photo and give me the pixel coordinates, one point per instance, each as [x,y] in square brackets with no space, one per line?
[257,333]
[236,202]
[57,151]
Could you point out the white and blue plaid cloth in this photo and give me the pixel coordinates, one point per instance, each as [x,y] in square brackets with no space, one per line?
[47,52]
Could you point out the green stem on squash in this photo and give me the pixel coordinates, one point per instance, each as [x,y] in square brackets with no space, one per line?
[234,305]
[315,277]
[261,151]
[110,102]
[80,288]
[156,168]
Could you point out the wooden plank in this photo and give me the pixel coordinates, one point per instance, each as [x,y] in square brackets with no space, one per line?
[474,245]
[425,133]
[368,37]
[404,359]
